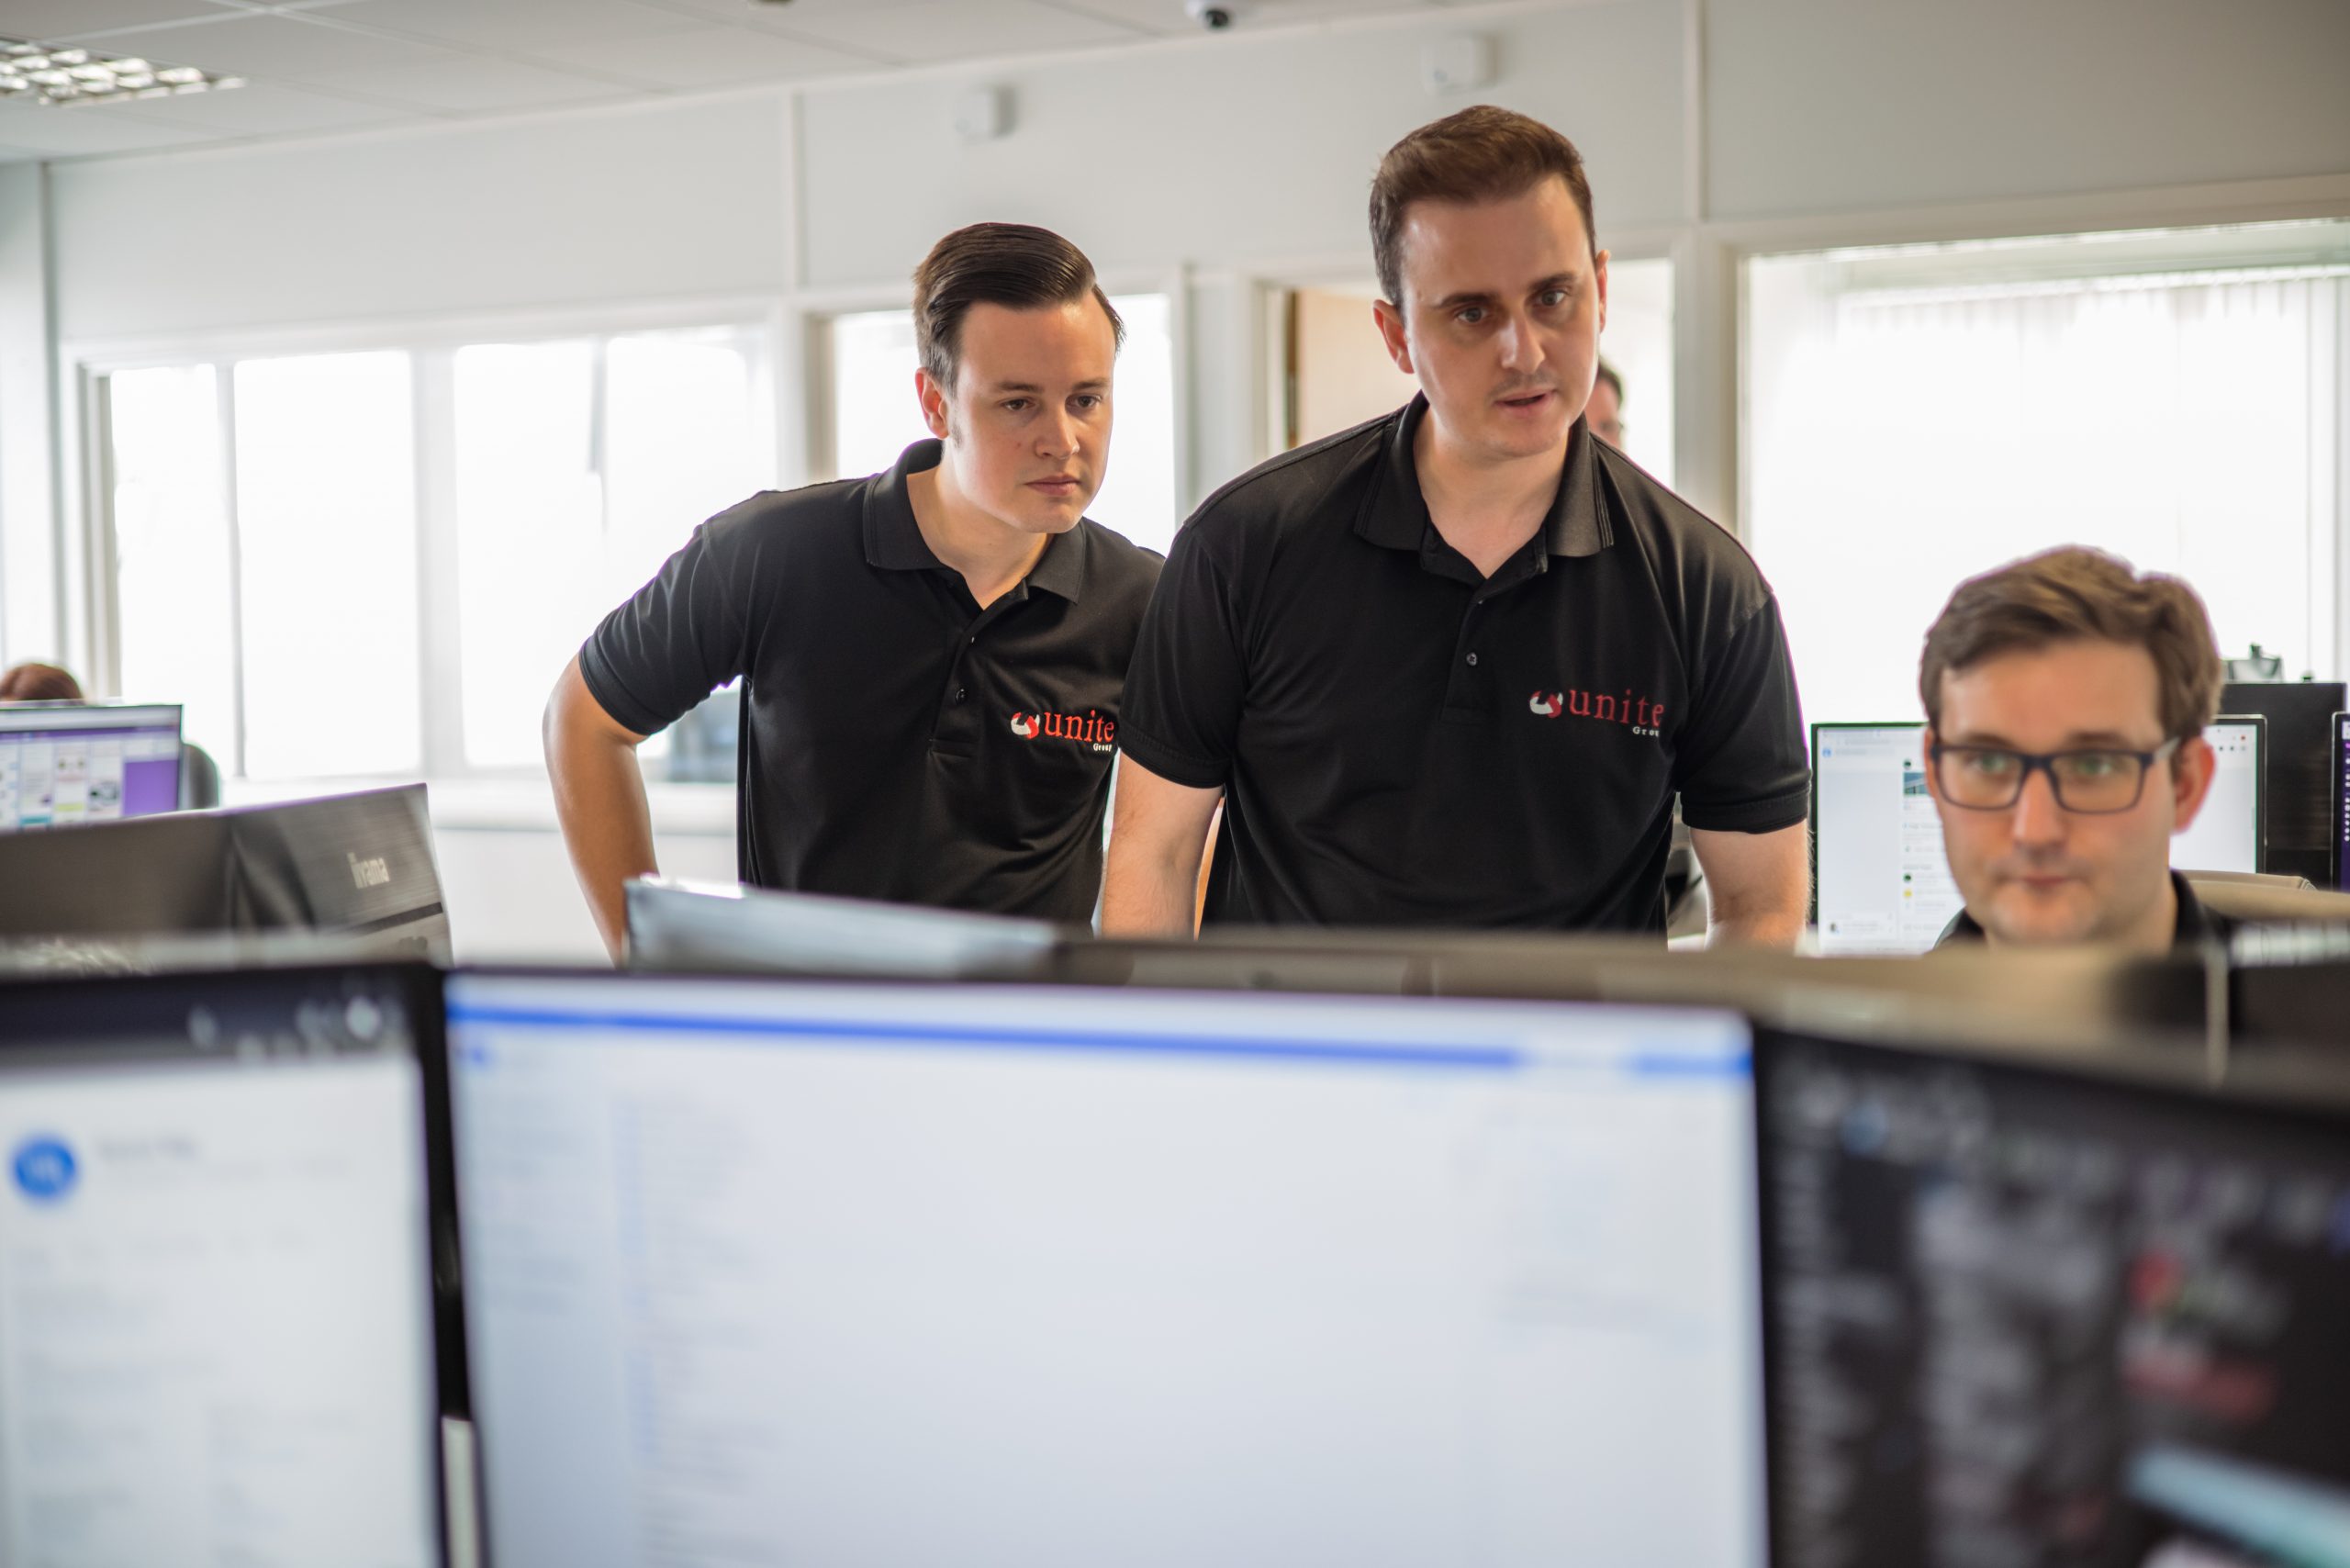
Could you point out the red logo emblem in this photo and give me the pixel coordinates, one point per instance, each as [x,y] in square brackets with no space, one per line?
[1089,728]
[1637,714]
[1547,703]
[1024,726]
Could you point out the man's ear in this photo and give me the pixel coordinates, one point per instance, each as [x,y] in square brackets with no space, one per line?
[1391,328]
[932,397]
[2191,768]
[1926,758]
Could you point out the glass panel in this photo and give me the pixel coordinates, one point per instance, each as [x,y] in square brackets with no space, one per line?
[875,415]
[683,441]
[171,540]
[529,535]
[326,506]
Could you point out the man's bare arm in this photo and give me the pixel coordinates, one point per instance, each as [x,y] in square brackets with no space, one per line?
[600,800]
[1758,885]
[1151,887]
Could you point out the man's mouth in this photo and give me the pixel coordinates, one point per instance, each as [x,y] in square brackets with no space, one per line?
[1057,486]
[1526,402]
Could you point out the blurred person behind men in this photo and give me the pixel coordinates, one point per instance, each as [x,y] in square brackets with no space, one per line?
[2065,698]
[30,682]
[1604,413]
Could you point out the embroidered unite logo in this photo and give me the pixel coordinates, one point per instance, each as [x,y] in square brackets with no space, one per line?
[1637,714]
[1089,729]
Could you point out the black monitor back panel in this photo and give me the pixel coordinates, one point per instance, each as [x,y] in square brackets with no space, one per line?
[2300,770]
[2015,1315]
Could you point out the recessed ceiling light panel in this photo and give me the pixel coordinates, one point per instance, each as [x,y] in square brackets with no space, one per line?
[81,76]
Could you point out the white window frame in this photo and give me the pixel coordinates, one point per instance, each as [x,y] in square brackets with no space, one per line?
[761,323]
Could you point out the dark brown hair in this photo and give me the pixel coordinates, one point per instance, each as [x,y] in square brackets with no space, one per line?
[2072,595]
[1607,373]
[1013,264]
[1480,155]
[39,683]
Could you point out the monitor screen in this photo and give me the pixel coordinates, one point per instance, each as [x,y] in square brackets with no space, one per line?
[2300,767]
[2018,1316]
[2340,769]
[68,764]
[2225,834]
[759,1270]
[215,1331]
[1881,882]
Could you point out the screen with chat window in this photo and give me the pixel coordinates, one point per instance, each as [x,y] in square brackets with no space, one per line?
[758,1271]
[214,1295]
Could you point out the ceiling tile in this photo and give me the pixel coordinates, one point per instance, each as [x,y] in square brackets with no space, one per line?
[953,29]
[1168,17]
[48,19]
[466,86]
[63,132]
[263,108]
[709,57]
[285,46]
[523,26]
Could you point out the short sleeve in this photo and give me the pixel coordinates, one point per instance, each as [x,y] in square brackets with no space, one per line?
[1741,762]
[1184,689]
[675,641]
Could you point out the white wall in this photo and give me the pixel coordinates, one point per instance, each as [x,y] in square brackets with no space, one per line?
[1215,161]
[28,622]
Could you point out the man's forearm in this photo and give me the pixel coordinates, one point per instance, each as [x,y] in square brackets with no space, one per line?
[1149,895]
[1755,928]
[607,826]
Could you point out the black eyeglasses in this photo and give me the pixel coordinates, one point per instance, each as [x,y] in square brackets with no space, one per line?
[2093,783]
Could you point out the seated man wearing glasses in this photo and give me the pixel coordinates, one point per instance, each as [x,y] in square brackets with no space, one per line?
[2066,700]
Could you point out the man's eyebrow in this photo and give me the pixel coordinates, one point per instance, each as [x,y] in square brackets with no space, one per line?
[1091,383]
[2075,740]
[1566,280]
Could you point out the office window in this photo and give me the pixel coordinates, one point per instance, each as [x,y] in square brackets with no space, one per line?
[1916,415]
[319,554]
[875,415]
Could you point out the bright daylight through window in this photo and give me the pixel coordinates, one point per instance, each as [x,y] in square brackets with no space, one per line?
[1914,416]
[313,553]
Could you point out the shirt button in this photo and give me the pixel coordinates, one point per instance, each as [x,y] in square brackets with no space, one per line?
[1472,658]
[962,694]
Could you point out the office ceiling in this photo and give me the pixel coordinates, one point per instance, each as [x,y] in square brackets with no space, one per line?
[317,66]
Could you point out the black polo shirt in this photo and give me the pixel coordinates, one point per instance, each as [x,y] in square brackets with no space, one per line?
[1403,742]
[899,742]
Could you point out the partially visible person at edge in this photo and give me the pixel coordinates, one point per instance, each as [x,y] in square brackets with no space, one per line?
[932,658]
[1454,666]
[2065,699]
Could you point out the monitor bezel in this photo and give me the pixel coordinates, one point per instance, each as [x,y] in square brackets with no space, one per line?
[2338,773]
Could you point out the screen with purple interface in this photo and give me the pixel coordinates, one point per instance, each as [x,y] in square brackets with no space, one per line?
[63,766]
[2342,801]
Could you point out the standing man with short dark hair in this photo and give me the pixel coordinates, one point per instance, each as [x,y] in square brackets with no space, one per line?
[1452,668]
[933,658]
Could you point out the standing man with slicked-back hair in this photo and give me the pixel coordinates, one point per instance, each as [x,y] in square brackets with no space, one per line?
[1454,668]
[933,658]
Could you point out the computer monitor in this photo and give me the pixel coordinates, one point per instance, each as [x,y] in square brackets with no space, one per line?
[2340,775]
[2226,834]
[359,864]
[2020,1314]
[2302,756]
[710,928]
[1881,880]
[67,764]
[1880,883]
[216,1296]
[788,1271]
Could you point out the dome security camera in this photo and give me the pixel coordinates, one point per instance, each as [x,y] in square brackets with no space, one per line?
[1215,16]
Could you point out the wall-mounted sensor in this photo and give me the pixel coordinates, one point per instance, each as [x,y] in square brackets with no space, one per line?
[1458,63]
[1215,16]
[982,113]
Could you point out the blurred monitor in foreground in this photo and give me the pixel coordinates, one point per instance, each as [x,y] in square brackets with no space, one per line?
[216,1324]
[359,864]
[2019,1314]
[65,765]
[710,928]
[1067,1276]
[2341,779]
[1881,881]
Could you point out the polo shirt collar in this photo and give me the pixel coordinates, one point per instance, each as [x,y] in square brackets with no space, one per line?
[893,540]
[1396,514]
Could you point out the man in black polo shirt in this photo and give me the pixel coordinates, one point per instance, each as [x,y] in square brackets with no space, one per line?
[932,658]
[1454,666]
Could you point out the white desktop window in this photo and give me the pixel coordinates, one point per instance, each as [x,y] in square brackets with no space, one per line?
[215,1341]
[2225,836]
[864,1275]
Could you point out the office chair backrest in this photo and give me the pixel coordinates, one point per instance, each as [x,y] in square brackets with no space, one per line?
[2262,900]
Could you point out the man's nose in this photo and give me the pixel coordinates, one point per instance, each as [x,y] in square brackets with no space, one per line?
[2037,818]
